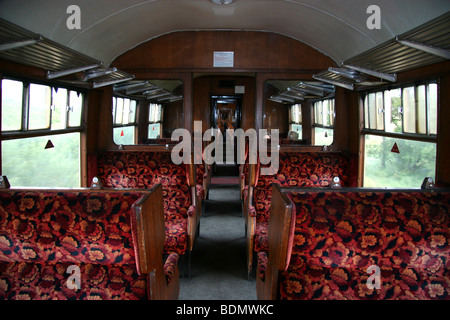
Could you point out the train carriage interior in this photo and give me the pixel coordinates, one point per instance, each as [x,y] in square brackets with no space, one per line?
[225,150]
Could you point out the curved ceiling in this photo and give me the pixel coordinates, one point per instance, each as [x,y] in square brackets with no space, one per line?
[109,28]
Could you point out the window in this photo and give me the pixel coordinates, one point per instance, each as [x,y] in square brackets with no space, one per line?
[410,109]
[41,128]
[27,162]
[295,119]
[124,116]
[39,106]
[323,127]
[12,97]
[154,121]
[400,142]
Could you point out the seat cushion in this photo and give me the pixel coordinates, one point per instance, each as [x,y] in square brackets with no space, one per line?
[176,236]
[36,281]
[57,227]
[177,200]
[306,281]
[340,235]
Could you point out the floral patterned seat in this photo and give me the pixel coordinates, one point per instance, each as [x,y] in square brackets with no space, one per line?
[296,169]
[42,233]
[143,170]
[338,235]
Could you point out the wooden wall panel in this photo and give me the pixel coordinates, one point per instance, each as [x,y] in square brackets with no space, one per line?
[276,115]
[173,117]
[263,54]
[341,127]
[191,50]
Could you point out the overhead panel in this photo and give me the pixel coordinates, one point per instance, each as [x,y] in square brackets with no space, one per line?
[112,78]
[42,53]
[392,57]
[410,50]
[303,91]
[424,45]
[62,63]
[147,90]
[339,80]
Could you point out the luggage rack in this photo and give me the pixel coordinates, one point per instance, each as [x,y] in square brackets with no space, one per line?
[424,45]
[60,62]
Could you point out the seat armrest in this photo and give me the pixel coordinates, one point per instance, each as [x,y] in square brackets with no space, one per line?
[251,211]
[262,265]
[191,211]
[200,192]
[193,222]
[171,266]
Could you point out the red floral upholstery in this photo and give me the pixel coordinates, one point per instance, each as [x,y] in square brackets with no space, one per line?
[243,177]
[262,264]
[200,171]
[176,236]
[314,169]
[144,170]
[338,235]
[261,237]
[54,227]
[170,266]
[41,281]
[139,170]
[43,232]
[203,178]
[200,191]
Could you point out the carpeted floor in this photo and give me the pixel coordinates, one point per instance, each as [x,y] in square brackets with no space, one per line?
[218,266]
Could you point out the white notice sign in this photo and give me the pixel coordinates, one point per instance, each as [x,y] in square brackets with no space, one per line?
[223,59]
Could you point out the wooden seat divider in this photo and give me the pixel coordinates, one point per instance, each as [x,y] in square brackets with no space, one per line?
[280,235]
[147,222]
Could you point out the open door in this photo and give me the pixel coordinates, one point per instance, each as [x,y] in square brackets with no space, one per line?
[226,114]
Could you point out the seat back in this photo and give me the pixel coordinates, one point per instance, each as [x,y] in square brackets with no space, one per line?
[142,169]
[340,233]
[301,169]
[70,226]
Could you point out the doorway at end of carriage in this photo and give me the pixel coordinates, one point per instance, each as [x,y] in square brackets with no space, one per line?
[225,113]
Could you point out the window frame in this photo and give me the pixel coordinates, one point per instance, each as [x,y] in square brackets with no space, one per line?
[25,132]
[316,124]
[159,121]
[332,119]
[291,118]
[427,137]
[133,124]
[292,121]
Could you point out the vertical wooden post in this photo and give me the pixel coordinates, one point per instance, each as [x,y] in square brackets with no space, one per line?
[188,101]
[443,133]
